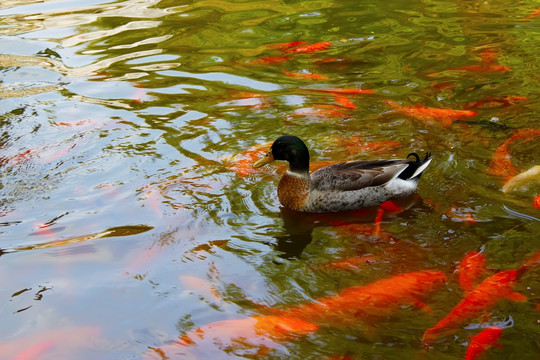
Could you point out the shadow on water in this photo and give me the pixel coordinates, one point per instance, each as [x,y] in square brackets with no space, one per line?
[111,232]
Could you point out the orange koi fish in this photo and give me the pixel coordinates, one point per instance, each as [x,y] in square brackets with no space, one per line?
[325,45]
[493,103]
[380,298]
[482,298]
[305,76]
[470,269]
[533,14]
[481,343]
[488,57]
[390,206]
[482,68]
[344,91]
[443,116]
[536,202]
[344,101]
[355,144]
[351,263]
[533,261]
[258,334]
[501,163]
[287,45]
[241,163]
[323,111]
[269,60]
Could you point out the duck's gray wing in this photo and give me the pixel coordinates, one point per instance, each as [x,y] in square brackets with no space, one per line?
[355,175]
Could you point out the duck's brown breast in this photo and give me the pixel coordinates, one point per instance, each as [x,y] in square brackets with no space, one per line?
[293,191]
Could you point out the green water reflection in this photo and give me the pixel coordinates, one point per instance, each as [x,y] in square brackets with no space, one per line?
[127,130]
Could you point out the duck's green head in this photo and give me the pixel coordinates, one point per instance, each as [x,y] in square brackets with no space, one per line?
[289,148]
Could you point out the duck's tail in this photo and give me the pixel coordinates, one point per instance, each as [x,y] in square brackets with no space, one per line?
[416,168]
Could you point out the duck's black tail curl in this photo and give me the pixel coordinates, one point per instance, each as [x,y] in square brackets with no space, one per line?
[415,168]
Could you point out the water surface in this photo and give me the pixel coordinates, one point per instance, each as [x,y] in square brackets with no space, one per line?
[130,214]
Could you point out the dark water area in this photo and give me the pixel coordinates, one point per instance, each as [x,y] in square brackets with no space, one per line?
[130,214]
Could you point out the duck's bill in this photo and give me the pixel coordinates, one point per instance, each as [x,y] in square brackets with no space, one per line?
[268,158]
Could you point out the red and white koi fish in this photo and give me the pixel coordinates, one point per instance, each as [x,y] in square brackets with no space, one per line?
[482,342]
[377,299]
[445,117]
[481,299]
[305,75]
[256,335]
[470,269]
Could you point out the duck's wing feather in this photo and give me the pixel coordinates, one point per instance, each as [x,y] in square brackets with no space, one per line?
[355,175]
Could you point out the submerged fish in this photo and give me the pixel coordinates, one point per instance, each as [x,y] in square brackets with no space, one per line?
[344,91]
[303,49]
[344,101]
[377,299]
[533,14]
[470,269]
[501,163]
[492,102]
[445,117]
[481,68]
[482,342]
[305,75]
[481,299]
[353,263]
[525,178]
[255,335]
[269,60]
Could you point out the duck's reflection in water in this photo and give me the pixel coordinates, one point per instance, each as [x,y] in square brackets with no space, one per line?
[299,226]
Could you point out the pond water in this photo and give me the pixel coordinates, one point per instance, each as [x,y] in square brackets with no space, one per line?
[130,214]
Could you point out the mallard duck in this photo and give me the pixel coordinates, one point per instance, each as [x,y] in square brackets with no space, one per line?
[342,186]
